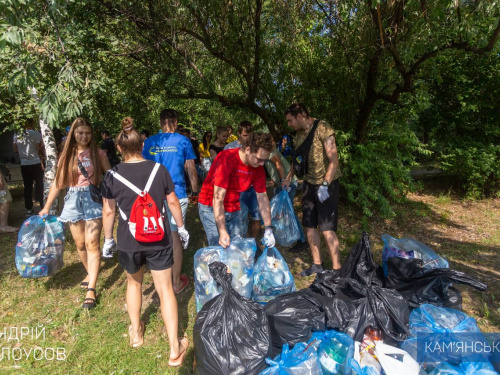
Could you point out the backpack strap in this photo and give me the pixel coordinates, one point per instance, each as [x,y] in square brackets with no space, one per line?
[152,177]
[127,183]
[134,188]
[305,147]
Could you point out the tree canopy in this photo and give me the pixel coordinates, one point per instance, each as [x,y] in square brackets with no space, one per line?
[392,77]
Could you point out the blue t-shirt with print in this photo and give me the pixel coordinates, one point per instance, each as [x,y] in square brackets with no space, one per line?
[172,150]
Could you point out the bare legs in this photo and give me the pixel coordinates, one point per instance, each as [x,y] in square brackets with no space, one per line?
[176,268]
[134,298]
[332,242]
[4,214]
[168,305]
[87,235]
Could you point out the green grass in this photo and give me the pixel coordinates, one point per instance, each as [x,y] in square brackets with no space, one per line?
[95,342]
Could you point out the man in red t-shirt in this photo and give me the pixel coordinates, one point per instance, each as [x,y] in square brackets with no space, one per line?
[232,172]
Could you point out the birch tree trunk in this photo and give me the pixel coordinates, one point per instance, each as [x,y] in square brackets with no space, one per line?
[51,161]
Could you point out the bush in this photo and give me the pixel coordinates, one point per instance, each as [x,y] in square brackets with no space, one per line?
[477,166]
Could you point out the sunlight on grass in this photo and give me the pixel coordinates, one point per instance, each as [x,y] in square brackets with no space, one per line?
[96,342]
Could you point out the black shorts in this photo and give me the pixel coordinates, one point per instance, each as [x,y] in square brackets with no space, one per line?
[157,260]
[321,215]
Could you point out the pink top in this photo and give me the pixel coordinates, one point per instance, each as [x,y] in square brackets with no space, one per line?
[86,161]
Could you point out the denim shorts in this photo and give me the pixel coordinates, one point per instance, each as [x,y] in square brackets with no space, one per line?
[184,206]
[5,196]
[249,199]
[233,224]
[78,205]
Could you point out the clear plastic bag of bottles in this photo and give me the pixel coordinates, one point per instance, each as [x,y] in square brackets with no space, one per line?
[286,230]
[334,352]
[271,276]
[302,359]
[409,248]
[238,257]
[40,247]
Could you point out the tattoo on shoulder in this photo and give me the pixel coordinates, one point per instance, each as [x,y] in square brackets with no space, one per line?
[330,142]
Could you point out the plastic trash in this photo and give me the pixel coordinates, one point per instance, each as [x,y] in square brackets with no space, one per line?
[239,256]
[359,299]
[40,247]
[302,359]
[334,351]
[395,361]
[271,276]
[420,285]
[409,248]
[445,327]
[231,332]
[286,230]
[466,368]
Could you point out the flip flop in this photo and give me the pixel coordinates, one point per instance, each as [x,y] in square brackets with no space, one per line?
[185,282]
[178,361]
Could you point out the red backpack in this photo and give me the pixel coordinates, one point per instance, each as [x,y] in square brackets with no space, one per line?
[146,220]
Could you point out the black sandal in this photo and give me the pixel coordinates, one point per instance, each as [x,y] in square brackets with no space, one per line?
[92,301]
[84,284]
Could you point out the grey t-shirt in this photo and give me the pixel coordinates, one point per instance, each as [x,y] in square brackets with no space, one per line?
[27,144]
[233,144]
[273,171]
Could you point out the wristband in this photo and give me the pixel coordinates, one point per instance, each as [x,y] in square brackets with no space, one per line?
[268,227]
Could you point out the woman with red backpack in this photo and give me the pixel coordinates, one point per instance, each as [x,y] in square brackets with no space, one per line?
[139,188]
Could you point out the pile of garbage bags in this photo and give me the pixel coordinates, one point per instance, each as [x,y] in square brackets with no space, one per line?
[353,321]
[262,281]
[40,247]
[239,257]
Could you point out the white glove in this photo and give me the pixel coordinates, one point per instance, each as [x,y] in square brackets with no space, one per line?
[323,194]
[184,235]
[109,248]
[268,239]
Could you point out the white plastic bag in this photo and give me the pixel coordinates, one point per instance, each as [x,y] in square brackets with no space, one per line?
[395,361]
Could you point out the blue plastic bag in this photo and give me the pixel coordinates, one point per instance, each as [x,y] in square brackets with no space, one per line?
[238,256]
[335,351]
[40,247]
[430,326]
[301,360]
[465,368]
[409,248]
[271,276]
[286,230]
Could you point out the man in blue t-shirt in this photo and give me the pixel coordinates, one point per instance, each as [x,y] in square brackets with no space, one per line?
[176,153]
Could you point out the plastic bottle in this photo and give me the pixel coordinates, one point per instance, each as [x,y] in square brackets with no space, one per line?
[332,356]
[367,354]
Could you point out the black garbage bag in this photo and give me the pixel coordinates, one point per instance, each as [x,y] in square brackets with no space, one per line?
[420,285]
[360,265]
[293,317]
[231,333]
[357,299]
